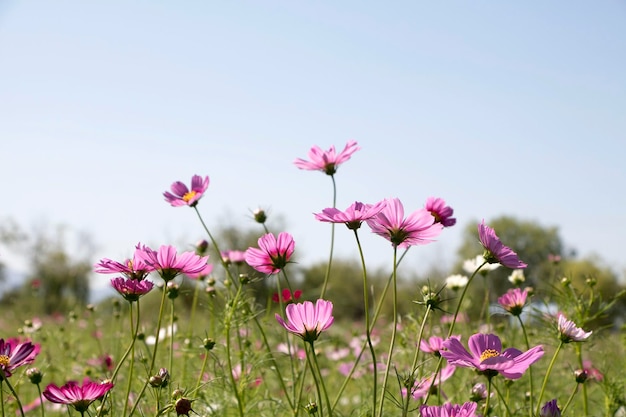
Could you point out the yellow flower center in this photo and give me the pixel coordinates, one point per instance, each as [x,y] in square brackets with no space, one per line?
[188,196]
[4,360]
[489,353]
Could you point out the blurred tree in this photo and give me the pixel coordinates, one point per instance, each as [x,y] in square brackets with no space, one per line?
[59,276]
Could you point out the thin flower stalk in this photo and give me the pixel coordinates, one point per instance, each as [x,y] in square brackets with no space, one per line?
[548,372]
[4,379]
[530,370]
[414,367]
[332,242]
[579,355]
[394,330]
[451,329]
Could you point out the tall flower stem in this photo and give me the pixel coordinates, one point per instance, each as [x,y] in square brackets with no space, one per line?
[134,325]
[377,312]
[579,354]
[227,324]
[3,378]
[394,330]
[158,329]
[530,369]
[171,358]
[332,241]
[451,329]
[486,413]
[405,405]
[569,400]
[366,307]
[545,378]
[504,400]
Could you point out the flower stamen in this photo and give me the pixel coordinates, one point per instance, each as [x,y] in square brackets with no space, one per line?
[4,360]
[188,196]
[489,353]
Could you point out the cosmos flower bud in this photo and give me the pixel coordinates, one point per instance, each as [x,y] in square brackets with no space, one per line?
[581,375]
[34,375]
[201,247]
[183,406]
[259,215]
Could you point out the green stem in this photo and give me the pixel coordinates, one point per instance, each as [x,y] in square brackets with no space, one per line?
[158,329]
[409,391]
[17,398]
[171,361]
[569,400]
[132,357]
[393,334]
[319,372]
[451,329]
[579,354]
[332,241]
[530,369]
[486,414]
[320,405]
[377,312]
[43,413]
[545,378]
[503,400]
[227,324]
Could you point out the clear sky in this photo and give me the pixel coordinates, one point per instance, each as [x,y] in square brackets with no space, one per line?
[514,108]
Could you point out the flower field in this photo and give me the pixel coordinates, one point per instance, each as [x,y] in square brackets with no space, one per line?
[147,353]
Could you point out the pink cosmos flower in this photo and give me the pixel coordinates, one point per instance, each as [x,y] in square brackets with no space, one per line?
[354,215]
[169,264]
[14,354]
[135,268]
[442,213]
[449,410]
[514,301]
[327,161]
[79,397]
[434,344]
[183,196]
[273,253]
[418,228]
[495,251]
[424,385]
[208,268]
[308,320]
[569,332]
[131,289]
[593,374]
[233,257]
[488,358]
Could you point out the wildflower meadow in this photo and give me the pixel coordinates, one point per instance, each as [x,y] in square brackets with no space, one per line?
[189,335]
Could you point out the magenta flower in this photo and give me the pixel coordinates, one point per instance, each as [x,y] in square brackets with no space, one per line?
[208,268]
[135,268]
[287,296]
[449,410]
[307,320]
[418,228]
[488,358]
[183,196]
[273,253]
[495,251]
[169,264]
[79,397]
[569,332]
[327,161]
[131,289]
[442,213]
[514,301]
[14,354]
[354,215]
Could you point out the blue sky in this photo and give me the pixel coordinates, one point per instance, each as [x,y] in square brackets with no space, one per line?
[510,108]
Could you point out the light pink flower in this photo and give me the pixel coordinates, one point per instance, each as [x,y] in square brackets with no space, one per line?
[495,251]
[449,410]
[442,213]
[273,253]
[308,320]
[434,344]
[169,264]
[488,357]
[418,228]
[79,397]
[327,161]
[236,257]
[514,301]
[569,332]
[354,215]
[204,273]
[14,354]
[183,196]
[422,387]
